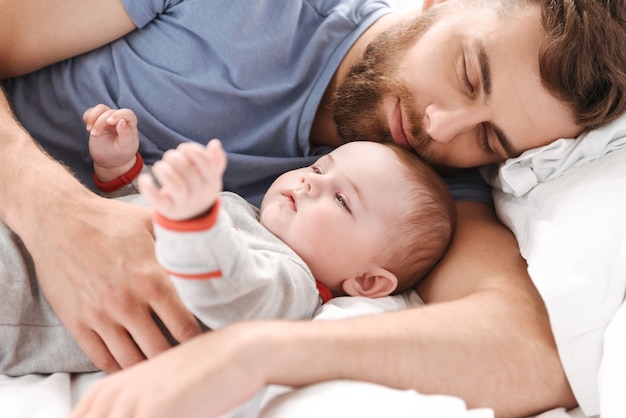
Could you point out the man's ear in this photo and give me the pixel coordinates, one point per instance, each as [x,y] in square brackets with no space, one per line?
[374,284]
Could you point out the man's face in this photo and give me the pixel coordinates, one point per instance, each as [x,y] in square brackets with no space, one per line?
[461,89]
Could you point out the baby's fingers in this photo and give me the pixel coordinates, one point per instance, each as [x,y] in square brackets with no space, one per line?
[151,191]
[102,123]
[215,152]
[123,114]
[209,162]
[93,113]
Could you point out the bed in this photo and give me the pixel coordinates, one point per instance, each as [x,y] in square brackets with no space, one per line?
[52,396]
[579,235]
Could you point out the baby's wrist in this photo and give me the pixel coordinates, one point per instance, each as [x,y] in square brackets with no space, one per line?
[110,179]
[107,174]
[189,222]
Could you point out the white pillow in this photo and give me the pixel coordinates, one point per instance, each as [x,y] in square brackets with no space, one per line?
[566,205]
[613,370]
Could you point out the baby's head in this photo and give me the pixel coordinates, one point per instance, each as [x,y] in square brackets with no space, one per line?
[369,219]
[422,234]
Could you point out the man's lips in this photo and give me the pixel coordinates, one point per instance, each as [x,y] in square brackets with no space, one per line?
[398,131]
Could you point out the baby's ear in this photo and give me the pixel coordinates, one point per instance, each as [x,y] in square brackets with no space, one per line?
[374,284]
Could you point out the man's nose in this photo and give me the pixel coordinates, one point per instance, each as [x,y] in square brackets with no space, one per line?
[443,125]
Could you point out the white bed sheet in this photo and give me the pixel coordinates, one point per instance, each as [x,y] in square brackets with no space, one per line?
[52,396]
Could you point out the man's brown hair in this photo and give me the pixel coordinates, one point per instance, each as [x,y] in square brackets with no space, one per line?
[583,58]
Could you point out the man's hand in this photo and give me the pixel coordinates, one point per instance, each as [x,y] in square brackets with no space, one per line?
[94,257]
[102,279]
[185,382]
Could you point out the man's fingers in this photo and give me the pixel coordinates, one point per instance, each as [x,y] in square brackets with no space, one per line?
[137,323]
[181,323]
[122,346]
[98,402]
[150,339]
[97,351]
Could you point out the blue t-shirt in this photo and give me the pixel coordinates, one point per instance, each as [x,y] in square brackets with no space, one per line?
[249,72]
[469,186]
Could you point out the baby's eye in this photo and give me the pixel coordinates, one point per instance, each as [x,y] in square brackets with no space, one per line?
[343,202]
[316,169]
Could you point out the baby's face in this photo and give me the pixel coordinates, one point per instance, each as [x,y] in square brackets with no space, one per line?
[336,214]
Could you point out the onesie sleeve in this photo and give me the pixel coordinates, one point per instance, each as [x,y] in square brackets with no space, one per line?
[227,272]
[143,12]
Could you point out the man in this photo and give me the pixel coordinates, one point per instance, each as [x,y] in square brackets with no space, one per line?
[462,87]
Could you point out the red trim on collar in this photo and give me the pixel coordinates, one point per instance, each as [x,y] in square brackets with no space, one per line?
[325,292]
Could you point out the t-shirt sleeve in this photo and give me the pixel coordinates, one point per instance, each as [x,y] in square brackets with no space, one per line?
[143,12]
[469,186]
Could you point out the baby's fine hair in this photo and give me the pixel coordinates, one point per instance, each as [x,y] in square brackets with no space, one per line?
[419,239]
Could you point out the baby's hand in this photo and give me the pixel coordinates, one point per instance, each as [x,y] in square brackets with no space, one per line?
[190,179]
[113,140]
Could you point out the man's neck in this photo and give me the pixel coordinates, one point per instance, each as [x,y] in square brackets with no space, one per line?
[323,130]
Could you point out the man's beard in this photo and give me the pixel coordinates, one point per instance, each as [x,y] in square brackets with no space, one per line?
[357,110]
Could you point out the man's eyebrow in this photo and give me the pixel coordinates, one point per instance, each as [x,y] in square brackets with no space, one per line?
[485,74]
[485,68]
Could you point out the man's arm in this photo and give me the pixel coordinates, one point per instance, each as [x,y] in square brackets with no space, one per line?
[484,288]
[483,336]
[94,257]
[36,33]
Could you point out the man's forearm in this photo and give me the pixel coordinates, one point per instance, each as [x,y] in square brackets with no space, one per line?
[30,179]
[34,34]
[484,336]
[438,349]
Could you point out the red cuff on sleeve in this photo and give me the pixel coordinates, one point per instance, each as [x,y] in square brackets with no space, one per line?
[121,181]
[199,223]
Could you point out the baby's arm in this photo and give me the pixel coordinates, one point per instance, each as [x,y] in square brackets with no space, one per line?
[113,140]
[190,179]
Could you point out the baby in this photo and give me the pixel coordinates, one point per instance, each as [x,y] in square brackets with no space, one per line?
[368,220]
[365,220]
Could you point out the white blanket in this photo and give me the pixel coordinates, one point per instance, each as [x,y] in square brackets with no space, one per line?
[53,396]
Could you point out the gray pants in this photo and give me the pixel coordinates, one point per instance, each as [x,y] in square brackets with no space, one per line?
[32,338]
